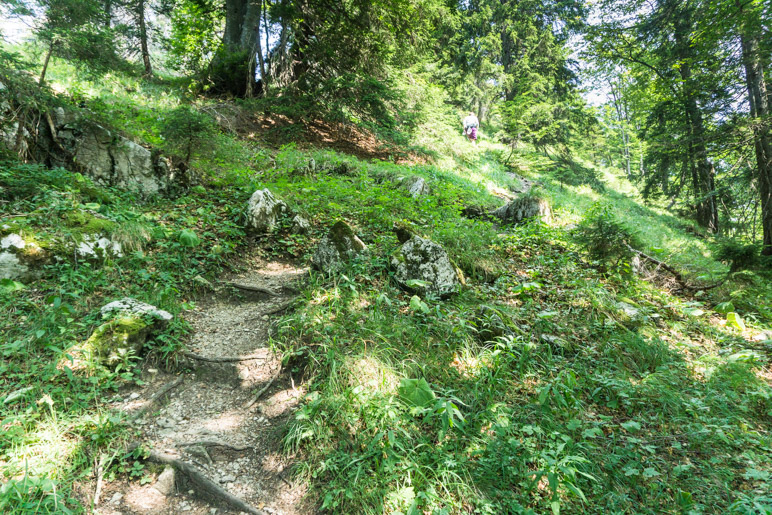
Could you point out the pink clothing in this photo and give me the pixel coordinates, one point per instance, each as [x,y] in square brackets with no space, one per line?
[472,133]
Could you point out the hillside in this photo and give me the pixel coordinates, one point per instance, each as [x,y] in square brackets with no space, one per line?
[559,377]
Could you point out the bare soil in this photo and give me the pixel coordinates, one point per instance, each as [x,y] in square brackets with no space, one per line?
[210,419]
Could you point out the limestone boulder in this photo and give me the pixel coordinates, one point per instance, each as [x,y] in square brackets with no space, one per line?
[113,160]
[337,248]
[20,258]
[422,266]
[264,211]
[300,225]
[129,325]
[415,186]
[522,208]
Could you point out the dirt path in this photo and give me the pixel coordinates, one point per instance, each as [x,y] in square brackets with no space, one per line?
[209,418]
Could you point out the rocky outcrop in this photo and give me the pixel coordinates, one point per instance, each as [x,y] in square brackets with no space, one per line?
[65,137]
[264,211]
[423,267]
[522,208]
[337,248]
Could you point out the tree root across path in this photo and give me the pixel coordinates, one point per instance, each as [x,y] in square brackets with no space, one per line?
[205,487]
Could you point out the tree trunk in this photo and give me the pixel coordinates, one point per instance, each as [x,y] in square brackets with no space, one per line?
[703,172]
[50,51]
[762,138]
[108,13]
[143,38]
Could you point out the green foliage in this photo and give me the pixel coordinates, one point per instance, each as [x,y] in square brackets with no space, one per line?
[738,256]
[184,130]
[605,237]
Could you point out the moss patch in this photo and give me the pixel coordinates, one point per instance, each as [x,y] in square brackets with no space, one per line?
[112,342]
[81,222]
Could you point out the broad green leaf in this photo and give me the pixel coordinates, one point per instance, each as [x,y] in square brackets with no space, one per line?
[10,285]
[416,392]
[631,425]
[649,472]
[188,238]
[724,307]
[416,304]
[734,320]
[593,432]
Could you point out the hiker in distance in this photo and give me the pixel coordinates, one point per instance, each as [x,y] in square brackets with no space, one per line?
[470,127]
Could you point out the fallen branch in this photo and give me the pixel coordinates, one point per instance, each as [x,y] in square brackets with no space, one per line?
[261,392]
[156,397]
[676,274]
[100,469]
[206,488]
[224,359]
[213,443]
[250,287]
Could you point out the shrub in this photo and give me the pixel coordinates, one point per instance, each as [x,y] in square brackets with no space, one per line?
[184,129]
[738,256]
[606,237]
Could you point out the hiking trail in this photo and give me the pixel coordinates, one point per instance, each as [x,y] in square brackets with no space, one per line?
[208,415]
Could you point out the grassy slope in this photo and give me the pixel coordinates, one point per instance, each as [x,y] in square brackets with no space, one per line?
[582,407]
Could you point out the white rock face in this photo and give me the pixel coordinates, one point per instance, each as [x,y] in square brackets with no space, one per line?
[423,266]
[522,208]
[339,246]
[127,305]
[11,267]
[263,211]
[13,240]
[95,246]
[116,161]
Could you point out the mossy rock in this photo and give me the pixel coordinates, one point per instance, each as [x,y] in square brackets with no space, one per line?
[112,342]
[82,222]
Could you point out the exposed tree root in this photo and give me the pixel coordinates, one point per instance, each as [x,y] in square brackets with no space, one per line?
[277,309]
[165,389]
[224,359]
[214,443]
[262,391]
[258,289]
[205,487]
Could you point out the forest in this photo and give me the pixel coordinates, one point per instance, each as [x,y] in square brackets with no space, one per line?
[387,256]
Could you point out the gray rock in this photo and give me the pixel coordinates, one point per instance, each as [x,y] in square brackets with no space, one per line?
[113,160]
[165,481]
[415,186]
[11,267]
[422,266]
[521,208]
[300,225]
[98,247]
[263,211]
[17,257]
[129,306]
[339,246]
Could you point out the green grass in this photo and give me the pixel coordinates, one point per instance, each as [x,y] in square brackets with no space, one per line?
[606,394]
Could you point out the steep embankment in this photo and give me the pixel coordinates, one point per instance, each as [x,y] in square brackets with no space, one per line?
[547,382]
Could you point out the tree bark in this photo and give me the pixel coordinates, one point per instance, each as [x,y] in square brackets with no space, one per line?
[758,100]
[703,172]
[143,38]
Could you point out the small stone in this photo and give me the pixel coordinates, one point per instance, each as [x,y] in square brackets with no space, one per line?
[134,395]
[213,511]
[227,479]
[165,481]
[191,492]
[116,498]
